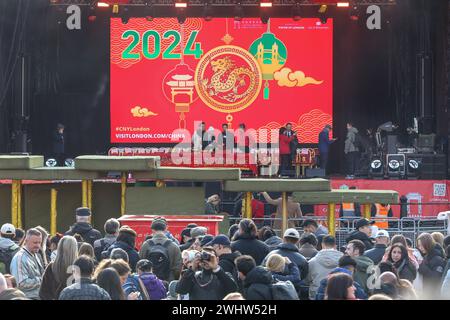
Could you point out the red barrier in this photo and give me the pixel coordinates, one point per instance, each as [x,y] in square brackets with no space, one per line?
[175,224]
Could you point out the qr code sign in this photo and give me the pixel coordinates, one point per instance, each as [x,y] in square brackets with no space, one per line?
[439,189]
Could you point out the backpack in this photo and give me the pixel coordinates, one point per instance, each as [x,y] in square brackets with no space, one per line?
[6,256]
[283,290]
[104,246]
[158,254]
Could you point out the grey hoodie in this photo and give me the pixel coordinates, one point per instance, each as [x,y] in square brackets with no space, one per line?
[6,243]
[319,267]
[350,140]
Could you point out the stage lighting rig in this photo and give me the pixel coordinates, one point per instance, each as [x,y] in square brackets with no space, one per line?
[51,163]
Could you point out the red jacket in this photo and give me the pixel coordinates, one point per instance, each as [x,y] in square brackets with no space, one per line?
[284,144]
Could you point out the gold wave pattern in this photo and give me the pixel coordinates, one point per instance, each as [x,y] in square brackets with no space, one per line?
[286,78]
[308,127]
[141,25]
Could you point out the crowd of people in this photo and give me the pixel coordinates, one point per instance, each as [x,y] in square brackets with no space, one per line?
[246,264]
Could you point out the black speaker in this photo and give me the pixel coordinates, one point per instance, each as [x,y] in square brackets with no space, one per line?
[395,164]
[392,142]
[434,166]
[315,173]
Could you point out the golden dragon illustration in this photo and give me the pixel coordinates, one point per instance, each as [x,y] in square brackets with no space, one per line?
[235,80]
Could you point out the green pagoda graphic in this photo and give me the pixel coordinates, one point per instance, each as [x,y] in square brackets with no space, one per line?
[271,55]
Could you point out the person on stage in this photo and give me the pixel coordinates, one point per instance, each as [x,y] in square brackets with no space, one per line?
[324,146]
[351,150]
[285,152]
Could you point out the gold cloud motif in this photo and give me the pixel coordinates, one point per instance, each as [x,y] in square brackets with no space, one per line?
[139,112]
[286,78]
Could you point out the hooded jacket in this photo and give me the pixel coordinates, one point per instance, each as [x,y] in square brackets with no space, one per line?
[103,244]
[11,248]
[319,267]
[308,251]
[257,284]
[290,273]
[133,255]
[273,242]
[359,292]
[206,284]
[89,234]
[350,141]
[358,235]
[291,251]
[250,245]
[362,265]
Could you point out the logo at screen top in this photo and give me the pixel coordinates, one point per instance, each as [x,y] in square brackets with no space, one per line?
[228,79]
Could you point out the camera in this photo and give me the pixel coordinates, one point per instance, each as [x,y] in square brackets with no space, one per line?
[205,256]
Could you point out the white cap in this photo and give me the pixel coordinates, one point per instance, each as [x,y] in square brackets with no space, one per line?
[291,233]
[382,233]
[8,228]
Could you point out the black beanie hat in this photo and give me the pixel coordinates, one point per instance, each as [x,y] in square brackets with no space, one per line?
[83,212]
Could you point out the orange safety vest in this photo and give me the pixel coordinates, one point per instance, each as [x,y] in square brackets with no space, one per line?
[348,209]
[382,212]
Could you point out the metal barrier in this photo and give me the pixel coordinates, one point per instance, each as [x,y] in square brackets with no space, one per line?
[409,227]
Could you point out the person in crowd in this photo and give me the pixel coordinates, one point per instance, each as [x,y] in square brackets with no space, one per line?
[233,231]
[322,264]
[204,279]
[196,234]
[308,244]
[10,280]
[311,226]
[340,287]
[387,285]
[9,293]
[432,266]
[447,266]
[446,241]
[186,239]
[445,289]
[20,237]
[145,282]
[26,265]
[381,242]
[83,226]
[123,269]
[351,150]
[284,143]
[84,288]
[355,249]
[346,265]
[362,232]
[222,247]
[284,269]
[8,248]
[398,256]
[413,254]
[118,253]
[324,146]
[207,238]
[234,296]
[212,206]
[87,250]
[246,241]
[438,237]
[164,254]
[269,237]
[257,280]
[293,208]
[58,144]
[54,245]
[257,208]
[111,228]
[126,240]
[380,297]
[57,272]
[289,249]
[44,251]
[109,280]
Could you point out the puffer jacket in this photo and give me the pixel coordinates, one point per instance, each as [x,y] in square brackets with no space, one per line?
[28,270]
[290,273]
[350,141]
[257,284]
[89,234]
[432,268]
[273,242]
[319,268]
[250,245]
[359,293]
